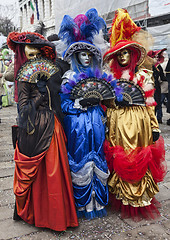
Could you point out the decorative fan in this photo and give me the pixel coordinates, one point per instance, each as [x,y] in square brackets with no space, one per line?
[132,93]
[92,88]
[30,70]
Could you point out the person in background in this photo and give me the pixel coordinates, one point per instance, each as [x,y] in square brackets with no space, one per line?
[164,84]
[42,180]
[8,99]
[2,90]
[159,77]
[9,73]
[167,70]
[65,66]
[2,67]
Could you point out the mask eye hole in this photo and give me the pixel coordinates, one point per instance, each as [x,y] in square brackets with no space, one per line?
[125,52]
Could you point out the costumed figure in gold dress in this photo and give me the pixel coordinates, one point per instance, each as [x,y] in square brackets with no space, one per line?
[134,148]
[42,180]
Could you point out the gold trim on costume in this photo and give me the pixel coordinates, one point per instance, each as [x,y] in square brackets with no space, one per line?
[49,97]
[32,125]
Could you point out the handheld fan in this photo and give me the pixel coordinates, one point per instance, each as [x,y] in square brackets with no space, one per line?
[132,93]
[92,88]
[31,69]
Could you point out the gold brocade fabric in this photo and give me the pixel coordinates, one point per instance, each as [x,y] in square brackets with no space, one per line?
[131,127]
[138,194]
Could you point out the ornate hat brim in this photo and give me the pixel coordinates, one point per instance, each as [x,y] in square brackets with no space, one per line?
[79,46]
[36,44]
[125,44]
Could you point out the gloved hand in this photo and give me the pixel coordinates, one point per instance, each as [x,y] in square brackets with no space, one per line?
[155,136]
[41,83]
[89,102]
[123,103]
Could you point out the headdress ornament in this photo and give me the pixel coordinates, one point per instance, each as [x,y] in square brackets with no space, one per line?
[123,27]
[78,34]
[122,31]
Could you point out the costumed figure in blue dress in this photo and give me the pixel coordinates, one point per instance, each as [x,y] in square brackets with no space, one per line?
[84,117]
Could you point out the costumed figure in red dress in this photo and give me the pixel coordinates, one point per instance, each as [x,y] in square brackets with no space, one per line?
[133,148]
[42,180]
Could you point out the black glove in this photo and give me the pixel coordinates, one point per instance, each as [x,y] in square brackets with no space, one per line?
[123,103]
[89,102]
[41,83]
[155,136]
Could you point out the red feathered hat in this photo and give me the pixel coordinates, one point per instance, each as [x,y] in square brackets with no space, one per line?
[152,54]
[122,44]
[158,53]
[122,31]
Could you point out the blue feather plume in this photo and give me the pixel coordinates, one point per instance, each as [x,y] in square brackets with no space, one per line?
[88,31]
[67,30]
[64,89]
[81,76]
[94,18]
[109,78]
[98,73]
[72,82]
[70,32]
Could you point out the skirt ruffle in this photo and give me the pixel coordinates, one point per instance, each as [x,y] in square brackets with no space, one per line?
[132,165]
[136,213]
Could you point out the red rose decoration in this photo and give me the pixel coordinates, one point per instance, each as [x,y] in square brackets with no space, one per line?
[48,52]
[27,40]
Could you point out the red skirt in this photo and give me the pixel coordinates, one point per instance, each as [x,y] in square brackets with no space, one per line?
[43,186]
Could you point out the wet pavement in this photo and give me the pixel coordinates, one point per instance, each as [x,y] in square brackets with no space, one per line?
[109,227]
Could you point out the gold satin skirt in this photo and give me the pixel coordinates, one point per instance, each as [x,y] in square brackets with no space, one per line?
[138,194]
[131,127]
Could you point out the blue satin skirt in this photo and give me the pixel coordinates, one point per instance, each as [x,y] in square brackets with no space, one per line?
[85,133]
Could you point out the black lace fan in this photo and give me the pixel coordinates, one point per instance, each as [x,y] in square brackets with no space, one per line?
[30,70]
[92,88]
[132,93]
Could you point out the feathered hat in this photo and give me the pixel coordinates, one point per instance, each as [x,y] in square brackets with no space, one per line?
[79,33]
[122,44]
[153,54]
[157,53]
[122,31]
[32,39]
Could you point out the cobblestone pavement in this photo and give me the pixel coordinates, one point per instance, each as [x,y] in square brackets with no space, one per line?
[109,227]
